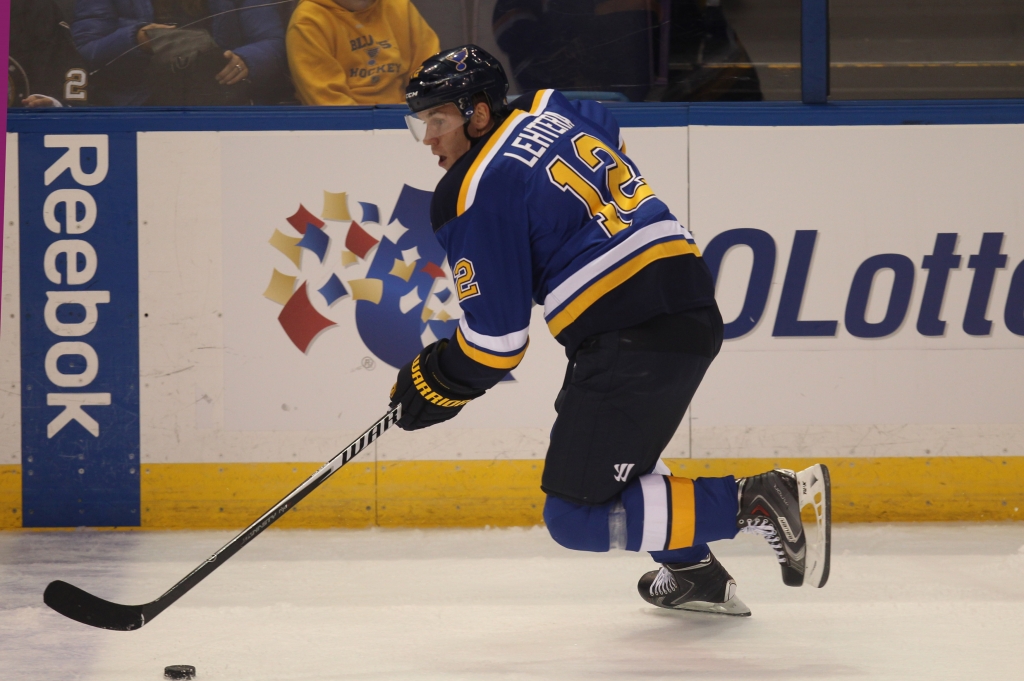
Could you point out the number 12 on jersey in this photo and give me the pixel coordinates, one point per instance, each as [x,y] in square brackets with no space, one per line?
[626,189]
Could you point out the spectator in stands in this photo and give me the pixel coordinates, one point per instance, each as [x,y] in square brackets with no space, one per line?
[610,46]
[344,52]
[44,69]
[709,62]
[581,45]
[183,52]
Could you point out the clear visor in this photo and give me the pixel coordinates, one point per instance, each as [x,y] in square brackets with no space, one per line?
[434,122]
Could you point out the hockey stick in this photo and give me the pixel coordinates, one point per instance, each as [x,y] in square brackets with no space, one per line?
[83,607]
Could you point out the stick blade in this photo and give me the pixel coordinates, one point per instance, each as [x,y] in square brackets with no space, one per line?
[83,607]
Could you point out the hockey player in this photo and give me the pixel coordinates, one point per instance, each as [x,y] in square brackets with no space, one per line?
[540,204]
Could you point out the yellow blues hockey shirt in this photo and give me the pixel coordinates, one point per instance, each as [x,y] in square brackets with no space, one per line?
[548,209]
[340,57]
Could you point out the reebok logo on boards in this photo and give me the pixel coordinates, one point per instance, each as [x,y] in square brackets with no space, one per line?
[622,471]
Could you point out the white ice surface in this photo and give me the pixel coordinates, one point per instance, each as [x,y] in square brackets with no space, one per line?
[904,602]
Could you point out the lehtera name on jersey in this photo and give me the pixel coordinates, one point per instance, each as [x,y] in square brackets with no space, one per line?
[543,130]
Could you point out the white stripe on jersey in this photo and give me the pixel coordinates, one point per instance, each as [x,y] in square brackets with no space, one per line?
[655,512]
[474,181]
[509,343]
[636,241]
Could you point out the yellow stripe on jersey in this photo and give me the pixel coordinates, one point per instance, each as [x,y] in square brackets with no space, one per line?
[684,513]
[538,97]
[498,137]
[486,358]
[620,274]
[473,169]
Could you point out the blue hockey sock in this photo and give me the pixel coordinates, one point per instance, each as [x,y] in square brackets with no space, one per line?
[665,512]
[576,526]
[657,513]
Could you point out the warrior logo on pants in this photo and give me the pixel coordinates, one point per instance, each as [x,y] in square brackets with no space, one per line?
[622,471]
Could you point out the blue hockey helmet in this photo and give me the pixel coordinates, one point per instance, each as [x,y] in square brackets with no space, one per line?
[455,76]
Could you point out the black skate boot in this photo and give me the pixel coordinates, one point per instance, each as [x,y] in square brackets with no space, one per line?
[700,587]
[770,506]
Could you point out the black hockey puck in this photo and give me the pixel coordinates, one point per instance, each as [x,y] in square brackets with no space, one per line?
[180,671]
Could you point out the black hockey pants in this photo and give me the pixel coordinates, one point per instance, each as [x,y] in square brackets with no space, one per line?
[624,396]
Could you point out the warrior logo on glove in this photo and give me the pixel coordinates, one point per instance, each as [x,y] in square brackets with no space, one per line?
[426,395]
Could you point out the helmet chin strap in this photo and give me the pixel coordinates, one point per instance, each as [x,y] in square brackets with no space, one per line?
[468,109]
[465,131]
[474,140]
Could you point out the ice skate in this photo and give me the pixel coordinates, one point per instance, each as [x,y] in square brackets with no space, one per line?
[770,506]
[699,587]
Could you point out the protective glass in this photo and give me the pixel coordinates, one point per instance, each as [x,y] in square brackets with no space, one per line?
[434,122]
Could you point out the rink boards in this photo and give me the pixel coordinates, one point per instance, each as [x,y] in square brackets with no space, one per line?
[239,301]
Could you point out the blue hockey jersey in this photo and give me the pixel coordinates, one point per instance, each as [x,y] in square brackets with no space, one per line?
[548,209]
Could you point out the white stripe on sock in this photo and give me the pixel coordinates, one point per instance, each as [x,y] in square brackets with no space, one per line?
[655,512]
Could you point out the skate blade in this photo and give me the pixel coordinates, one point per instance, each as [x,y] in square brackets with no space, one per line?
[816,491]
[733,607]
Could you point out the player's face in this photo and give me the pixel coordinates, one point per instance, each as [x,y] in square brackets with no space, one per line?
[448,147]
[441,129]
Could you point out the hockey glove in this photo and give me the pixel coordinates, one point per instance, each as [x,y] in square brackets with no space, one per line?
[426,395]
